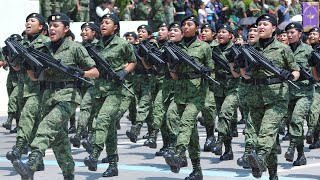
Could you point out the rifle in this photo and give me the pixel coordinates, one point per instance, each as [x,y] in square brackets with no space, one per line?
[177,55]
[220,62]
[267,64]
[248,57]
[17,50]
[304,73]
[151,53]
[104,66]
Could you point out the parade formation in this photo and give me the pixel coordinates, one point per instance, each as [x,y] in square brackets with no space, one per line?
[189,72]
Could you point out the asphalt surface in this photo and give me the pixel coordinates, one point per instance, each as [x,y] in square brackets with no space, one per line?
[138,162]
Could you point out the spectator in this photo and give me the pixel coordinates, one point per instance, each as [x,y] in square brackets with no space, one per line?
[283,12]
[190,7]
[295,8]
[128,12]
[104,8]
[157,14]
[169,11]
[217,7]
[255,8]
[179,6]
[83,10]
[202,14]
[272,9]
[143,11]
[240,10]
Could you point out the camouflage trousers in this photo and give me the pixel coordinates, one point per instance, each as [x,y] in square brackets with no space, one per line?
[87,109]
[242,102]
[53,131]
[12,90]
[314,114]
[209,112]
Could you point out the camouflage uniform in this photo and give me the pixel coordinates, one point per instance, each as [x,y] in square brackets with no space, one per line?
[83,15]
[268,104]
[255,6]
[157,14]
[142,12]
[49,7]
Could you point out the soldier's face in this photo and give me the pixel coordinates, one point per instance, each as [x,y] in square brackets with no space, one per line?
[207,34]
[314,38]
[131,39]
[293,35]
[224,36]
[175,35]
[57,30]
[87,34]
[265,29]
[253,35]
[284,38]
[107,27]
[163,33]
[143,34]
[33,26]
[189,28]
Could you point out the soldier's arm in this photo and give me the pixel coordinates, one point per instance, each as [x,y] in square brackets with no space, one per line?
[288,55]
[131,58]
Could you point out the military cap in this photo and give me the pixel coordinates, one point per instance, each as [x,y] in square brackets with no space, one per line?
[314,29]
[113,17]
[163,25]
[280,31]
[253,26]
[175,24]
[131,34]
[37,16]
[226,27]
[16,37]
[208,26]
[267,17]
[59,17]
[146,27]
[294,25]
[191,17]
[242,37]
[91,26]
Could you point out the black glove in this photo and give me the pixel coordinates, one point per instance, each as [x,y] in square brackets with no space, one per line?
[205,70]
[75,70]
[286,75]
[122,74]
[312,61]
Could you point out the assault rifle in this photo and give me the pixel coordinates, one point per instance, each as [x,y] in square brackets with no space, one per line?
[104,66]
[176,55]
[220,62]
[304,73]
[267,64]
[151,53]
[15,50]
[251,62]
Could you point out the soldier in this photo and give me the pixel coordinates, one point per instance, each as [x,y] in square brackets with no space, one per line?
[60,99]
[157,14]
[313,133]
[83,10]
[299,99]
[282,36]
[249,132]
[111,48]
[209,110]
[189,97]
[226,94]
[31,93]
[143,11]
[90,35]
[268,100]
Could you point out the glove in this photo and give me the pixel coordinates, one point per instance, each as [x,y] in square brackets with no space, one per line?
[75,70]
[122,74]
[285,74]
[240,61]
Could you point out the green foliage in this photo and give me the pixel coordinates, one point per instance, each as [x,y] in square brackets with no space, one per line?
[247,2]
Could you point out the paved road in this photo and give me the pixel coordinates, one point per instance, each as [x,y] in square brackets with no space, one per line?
[138,162]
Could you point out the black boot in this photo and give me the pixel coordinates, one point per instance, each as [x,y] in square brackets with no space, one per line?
[234,130]
[69,177]
[282,128]
[241,121]
[26,170]
[72,128]
[113,167]
[217,148]
[165,140]
[289,155]
[152,140]
[17,150]
[146,136]
[210,139]
[134,132]
[279,151]
[301,159]
[243,162]
[201,120]
[14,130]
[257,165]
[75,140]
[92,160]
[107,160]
[196,174]
[8,123]
[309,136]
[273,175]
[173,159]
[87,143]
[228,154]
[316,141]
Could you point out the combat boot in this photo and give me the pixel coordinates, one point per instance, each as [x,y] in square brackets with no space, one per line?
[184,161]
[228,154]
[273,175]
[241,121]
[282,128]
[234,130]
[242,161]
[134,132]
[152,140]
[8,123]
[316,142]
[174,160]
[210,139]
[217,148]
[286,137]
[17,150]
[72,128]
[301,159]
[26,170]
[107,160]
[92,160]
[309,136]
[87,143]
[279,151]
[196,174]
[75,140]
[289,155]
[113,166]
[257,165]
[14,130]
[146,136]
[165,140]
[69,177]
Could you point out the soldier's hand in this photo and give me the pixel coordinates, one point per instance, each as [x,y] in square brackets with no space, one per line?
[122,74]
[75,70]
[287,75]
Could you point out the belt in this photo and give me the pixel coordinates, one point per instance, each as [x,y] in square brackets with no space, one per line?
[266,81]
[59,85]
[189,76]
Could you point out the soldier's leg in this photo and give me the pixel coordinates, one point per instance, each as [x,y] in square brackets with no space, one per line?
[271,162]
[313,116]
[194,153]
[12,107]
[72,128]
[112,151]
[217,147]
[173,121]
